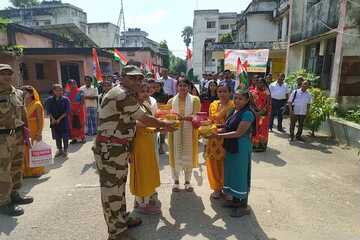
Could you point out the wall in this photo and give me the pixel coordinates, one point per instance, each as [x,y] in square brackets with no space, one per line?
[309,21]
[33,41]
[260,28]
[295,58]
[50,74]
[3,38]
[102,33]
[201,33]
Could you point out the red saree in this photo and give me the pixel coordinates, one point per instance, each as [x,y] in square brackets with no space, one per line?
[263,106]
[77,109]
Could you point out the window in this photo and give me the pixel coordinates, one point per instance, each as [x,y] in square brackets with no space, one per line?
[47,22]
[24,72]
[311,3]
[280,30]
[312,57]
[224,26]
[39,68]
[211,24]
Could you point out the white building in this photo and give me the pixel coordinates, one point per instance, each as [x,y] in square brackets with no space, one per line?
[48,13]
[207,27]
[263,24]
[104,34]
[136,38]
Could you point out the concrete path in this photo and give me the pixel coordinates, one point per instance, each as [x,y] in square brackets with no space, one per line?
[299,191]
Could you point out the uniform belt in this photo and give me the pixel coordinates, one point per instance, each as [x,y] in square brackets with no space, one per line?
[103,139]
[10,131]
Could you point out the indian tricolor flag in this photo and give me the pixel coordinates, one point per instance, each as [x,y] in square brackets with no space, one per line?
[119,57]
[242,72]
[97,74]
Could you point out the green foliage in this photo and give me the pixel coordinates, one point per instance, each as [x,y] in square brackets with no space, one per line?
[351,114]
[187,35]
[24,3]
[226,38]
[11,50]
[3,23]
[320,109]
[312,78]
[177,65]
[165,50]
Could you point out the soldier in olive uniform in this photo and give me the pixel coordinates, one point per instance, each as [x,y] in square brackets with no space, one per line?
[118,113]
[12,121]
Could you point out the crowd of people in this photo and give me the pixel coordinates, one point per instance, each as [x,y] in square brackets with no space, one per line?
[122,114]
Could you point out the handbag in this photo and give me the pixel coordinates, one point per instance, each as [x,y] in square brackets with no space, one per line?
[75,121]
[40,155]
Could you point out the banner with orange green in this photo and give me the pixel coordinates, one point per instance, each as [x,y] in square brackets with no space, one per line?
[256,59]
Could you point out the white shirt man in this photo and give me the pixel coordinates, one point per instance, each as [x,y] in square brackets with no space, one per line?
[279,94]
[91,95]
[301,102]
[279,91]
[169,84]
[299,105]
[90,92]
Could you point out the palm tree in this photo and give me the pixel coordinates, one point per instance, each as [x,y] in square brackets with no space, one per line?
[187,35]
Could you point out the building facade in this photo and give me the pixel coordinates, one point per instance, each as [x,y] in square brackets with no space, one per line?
[325,39]
[263,24]
[208,26]
[48,13]
[48,58]
[104,34]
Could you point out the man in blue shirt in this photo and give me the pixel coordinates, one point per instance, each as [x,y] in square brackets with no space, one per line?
[229,81]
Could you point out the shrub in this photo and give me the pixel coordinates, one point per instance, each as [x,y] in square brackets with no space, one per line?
[312,78]
[320,109]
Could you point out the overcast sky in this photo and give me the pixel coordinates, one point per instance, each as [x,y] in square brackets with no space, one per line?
[162,19]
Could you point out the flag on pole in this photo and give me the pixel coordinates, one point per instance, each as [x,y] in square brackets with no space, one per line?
[243,76]
[97,74]
[120,58]
[188,60]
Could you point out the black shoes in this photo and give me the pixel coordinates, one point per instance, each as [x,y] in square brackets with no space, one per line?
[16,198]
[11,210]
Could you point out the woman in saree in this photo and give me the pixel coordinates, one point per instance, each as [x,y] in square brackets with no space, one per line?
[261,99]
[35,116]
[144,168]
[77,113]
[215,152]
[237,131]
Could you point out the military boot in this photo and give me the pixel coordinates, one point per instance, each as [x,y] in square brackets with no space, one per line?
[11,210]
[16,198]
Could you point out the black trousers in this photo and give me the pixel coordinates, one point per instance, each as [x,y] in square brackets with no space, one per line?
[59,142]
[293,119]
[277,110]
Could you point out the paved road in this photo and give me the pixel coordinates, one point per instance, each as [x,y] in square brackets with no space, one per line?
[303,191]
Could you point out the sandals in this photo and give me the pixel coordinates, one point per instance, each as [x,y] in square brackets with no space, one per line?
[149,210]
[216,195]
[176,187]
[240,212]
[133,222]
[188,187]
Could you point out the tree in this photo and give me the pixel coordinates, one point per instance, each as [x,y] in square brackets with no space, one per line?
[226,38]
[164,49]
[187,35]
[177,65]
[24,3]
